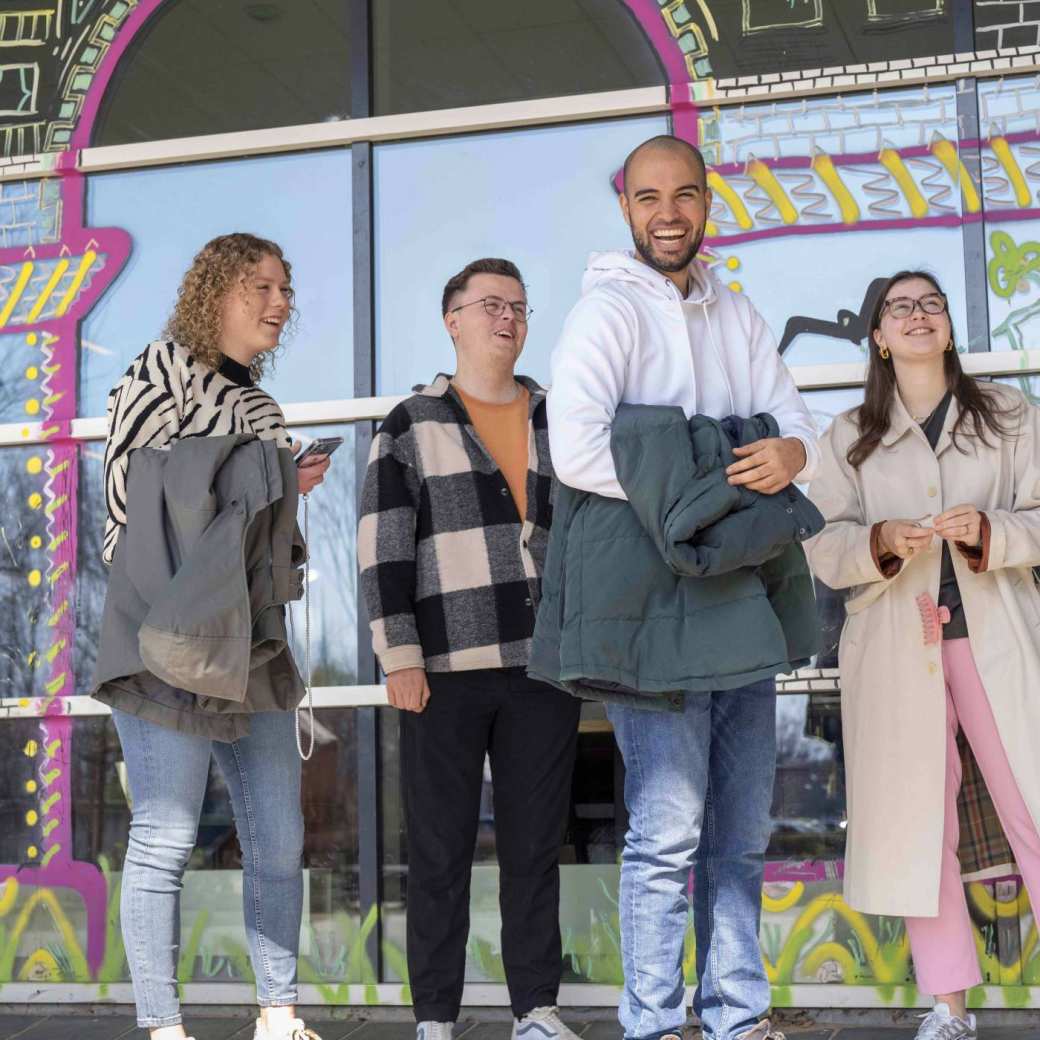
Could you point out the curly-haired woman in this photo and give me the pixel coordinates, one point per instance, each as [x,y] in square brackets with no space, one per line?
[232,307]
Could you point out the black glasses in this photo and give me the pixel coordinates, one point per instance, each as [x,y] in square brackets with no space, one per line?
[495,307]
[903,306]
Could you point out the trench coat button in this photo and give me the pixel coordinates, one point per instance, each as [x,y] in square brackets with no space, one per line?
[932,491]
[802,531]
[527,602]
[932,668]
[504,491]
[789,509]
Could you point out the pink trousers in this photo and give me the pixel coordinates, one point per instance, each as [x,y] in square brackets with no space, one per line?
[944,947]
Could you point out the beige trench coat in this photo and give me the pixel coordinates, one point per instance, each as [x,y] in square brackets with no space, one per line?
[893,692]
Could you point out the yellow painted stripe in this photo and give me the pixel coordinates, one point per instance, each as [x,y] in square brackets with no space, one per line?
[85,265]
[890,159]
[16,292]
[56,504]
[48,778]
[55,650]
[57,541]
[1002,150]
[55,685]
[53,398]
[947,154]
[53,747]
[764,177]
[55,576]
[51,802]
[52,283]
[732,199]
[50,854]
[60,468]
[57,615]
[825,170]
[49,826]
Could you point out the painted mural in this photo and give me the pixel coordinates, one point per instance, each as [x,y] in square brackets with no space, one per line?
[816,197]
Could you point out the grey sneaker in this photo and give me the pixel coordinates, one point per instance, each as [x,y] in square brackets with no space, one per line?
[940,1024]
[542,1024]
[434,1031]
[763,1031]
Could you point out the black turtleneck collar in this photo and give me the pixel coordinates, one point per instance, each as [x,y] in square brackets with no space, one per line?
[235,371]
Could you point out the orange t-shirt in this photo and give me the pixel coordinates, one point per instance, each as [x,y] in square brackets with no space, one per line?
[504,430]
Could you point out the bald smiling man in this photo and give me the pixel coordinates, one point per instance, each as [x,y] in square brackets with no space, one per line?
[655,326]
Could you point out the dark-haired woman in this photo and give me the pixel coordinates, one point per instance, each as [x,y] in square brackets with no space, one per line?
[232,307]
[931,491]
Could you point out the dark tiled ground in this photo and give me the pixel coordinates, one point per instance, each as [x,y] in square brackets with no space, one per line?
[105,1026]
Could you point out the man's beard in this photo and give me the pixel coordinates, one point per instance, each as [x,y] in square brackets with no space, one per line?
[645,250]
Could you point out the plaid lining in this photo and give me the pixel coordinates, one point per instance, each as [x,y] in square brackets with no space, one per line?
[450,575]
[984,848]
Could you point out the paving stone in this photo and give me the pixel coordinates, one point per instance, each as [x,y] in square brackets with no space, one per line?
[221,1028]
[16,1025]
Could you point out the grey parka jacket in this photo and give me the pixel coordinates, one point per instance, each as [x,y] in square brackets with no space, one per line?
[193,634]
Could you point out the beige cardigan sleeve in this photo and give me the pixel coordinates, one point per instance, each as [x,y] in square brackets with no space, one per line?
[1014,537]
[843,553]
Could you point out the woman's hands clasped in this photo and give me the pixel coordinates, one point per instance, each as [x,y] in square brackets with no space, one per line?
[904,538]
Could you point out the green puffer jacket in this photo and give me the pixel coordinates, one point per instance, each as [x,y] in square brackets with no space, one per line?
[689,585]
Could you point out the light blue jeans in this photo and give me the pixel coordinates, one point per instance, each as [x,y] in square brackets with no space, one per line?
[167,772]
[698,788]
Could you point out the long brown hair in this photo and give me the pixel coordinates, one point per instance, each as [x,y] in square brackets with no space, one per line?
[977,401]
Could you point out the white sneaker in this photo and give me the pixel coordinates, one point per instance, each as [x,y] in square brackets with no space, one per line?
[542,1024]
[763,1031]
[434,1031]
[295,1030]
[941,1024]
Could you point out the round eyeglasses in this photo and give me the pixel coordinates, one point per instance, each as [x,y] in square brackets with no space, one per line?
[495,307]
[904,306]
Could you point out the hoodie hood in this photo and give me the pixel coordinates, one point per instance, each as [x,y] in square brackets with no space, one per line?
[624,266]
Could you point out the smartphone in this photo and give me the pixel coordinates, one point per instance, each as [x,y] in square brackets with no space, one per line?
[319,446]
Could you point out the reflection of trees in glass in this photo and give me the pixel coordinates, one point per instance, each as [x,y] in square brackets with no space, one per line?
[92,574]
[24,590]
[16,385]
[333,566]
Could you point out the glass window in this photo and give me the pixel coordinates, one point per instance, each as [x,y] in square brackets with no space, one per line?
[302,202]
[430,54]
[1008,109]
[224,65]
[77,939]
[815,199]
[490,195]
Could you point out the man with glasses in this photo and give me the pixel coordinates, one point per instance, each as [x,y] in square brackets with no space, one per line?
[454,528]
[655,326]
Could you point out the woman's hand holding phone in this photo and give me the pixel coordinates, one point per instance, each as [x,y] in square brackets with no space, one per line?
[311,469]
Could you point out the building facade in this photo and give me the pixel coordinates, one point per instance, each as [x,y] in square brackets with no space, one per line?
[385,143]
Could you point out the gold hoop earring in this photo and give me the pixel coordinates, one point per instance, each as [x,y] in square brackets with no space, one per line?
[883,353]
[949,346]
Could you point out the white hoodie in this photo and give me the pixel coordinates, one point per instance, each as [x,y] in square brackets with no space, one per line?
[633,339]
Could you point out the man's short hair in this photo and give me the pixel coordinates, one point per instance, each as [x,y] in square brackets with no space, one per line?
[665,143]
[489,265]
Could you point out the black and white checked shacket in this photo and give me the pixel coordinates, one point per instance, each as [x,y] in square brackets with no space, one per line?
[450,572]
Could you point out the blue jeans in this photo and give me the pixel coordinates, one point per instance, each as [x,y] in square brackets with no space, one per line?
[167,772]
[698,788]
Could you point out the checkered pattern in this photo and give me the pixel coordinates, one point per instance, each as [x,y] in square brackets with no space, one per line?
[984,850]
[450,574]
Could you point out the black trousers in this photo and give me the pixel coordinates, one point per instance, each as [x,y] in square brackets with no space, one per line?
[530,731]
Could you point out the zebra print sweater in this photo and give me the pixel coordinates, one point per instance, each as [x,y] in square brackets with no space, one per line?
[166,395]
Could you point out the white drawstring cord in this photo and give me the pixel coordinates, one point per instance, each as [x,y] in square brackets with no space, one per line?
[306,641]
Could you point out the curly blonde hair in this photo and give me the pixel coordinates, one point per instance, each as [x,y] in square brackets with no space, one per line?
[220,267]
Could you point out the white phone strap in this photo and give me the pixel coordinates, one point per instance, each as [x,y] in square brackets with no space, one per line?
[306,643]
